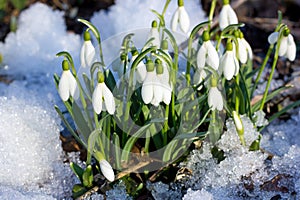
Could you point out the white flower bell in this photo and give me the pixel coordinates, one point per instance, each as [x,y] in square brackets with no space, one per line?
[244,49]
[180,17]
[155,88]
[102,98]
[67,85]
[88,52]
[207,54]
[154,33]
[140,70]
[287,46]
[227,15]
[215,99]
[163,78]
[107,170]
[199,76]
[229,64]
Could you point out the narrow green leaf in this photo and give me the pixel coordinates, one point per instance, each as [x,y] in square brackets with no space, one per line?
[117,150]
[78,190]
[81,122]
[87,177]
[78,171]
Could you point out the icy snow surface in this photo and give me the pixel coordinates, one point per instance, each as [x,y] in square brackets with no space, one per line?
[32,161]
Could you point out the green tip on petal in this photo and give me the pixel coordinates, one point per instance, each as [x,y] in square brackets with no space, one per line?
[65,65]
[229,46]
[205,36]
[226,2]
[214,82]
[154,24]
[100,76]
[150,66]
[86,35]
[165,45]
[180,3]
[286,31]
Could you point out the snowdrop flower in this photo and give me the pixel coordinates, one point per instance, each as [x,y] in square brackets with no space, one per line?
[67,85]
[154,33]
[239,127]
[102,98]
[215,99]
[229,64]
[151,88]
[207,54]
[287,46]
[227,15]
[180,17]
[244,49]
[88,52]
[163,78]
[107,170]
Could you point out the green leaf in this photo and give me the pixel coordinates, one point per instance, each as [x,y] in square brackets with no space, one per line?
[190,135]
[18,4]
[78,190]
[87,177]
[110,80]
[78,171]
[81,122]
[88,84]
[78,139]
[117,150]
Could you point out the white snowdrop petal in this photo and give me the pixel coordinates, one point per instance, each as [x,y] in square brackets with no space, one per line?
[212,56]
[158,91]
[184,19]
[90,53]
[201,57]
[210,98]
[248,48]
[232,18]
[174,20]
[242,52]
[283,46]
[147,90]
[74,90]
[167,95]
[228,65]
[97,99]
[82,59]
[215,100]
[273,37]
[63,86]
[223,20]
[291,50]
[141,72]
[107,170]
[236,65]
[109,100]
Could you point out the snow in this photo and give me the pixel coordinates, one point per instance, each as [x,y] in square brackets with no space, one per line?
[40,35]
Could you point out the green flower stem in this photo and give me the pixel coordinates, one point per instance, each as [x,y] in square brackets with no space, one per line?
[271,47]
[211,12]
[237,96]
[189,55]
[166,126]
[165,8]
[272,72]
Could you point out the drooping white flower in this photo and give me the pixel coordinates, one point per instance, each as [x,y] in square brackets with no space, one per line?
[229,64]
[88,52]
[103,98]
[107,170]
[215,99]
[287,46]
[163,78]
[140,70]
[244,49]
[227,15]
[207,54]
[154,33]
[155,88]
[199,76]
[67,84]
[180,17]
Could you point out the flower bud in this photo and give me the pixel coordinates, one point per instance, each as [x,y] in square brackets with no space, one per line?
[164,45]
[239,126]
[150,65]
[226,2]
[100,76]
[154,24]
[205,36]
[86,36]
[180,3]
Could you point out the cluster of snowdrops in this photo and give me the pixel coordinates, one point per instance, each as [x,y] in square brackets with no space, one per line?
[144,100]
